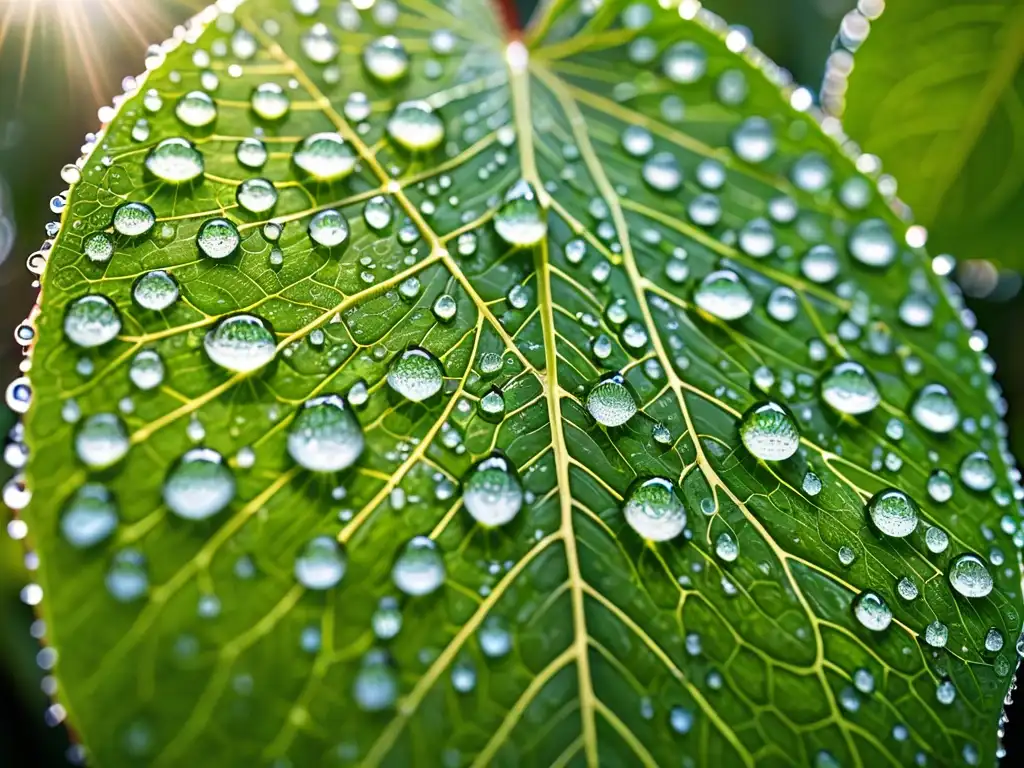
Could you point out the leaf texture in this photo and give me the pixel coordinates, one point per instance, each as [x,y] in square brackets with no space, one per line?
[561,636]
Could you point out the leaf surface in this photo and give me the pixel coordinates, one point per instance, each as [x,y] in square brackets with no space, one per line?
[936,92]
[560,637]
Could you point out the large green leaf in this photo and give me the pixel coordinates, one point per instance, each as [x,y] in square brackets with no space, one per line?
[936,91]
[562,636]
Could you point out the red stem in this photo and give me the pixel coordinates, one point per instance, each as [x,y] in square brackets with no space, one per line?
[511,17]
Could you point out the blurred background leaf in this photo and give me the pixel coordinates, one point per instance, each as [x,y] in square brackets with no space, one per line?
[936,92]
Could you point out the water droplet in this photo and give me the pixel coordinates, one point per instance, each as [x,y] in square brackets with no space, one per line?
[127,579]
[783,304]
[146,370]
[156,290]
[196,109]
[325,157]
[419,569]
[893,512]
[769,432]
[320,564]
[684,63]
[90,516]
[916,310]
[387,619]
[811,484]
[494,637]
[936,634]
[940,486]
[319,44]
[936,540]
[376,685]
[326,435]
[520,220]
[811,173]
[637,141]
[269,101]
[329,228]
[133,219]
[662,173]
[240,343]
[724,295]
[872,611]
[907,589]
[175,161]
[445,308]
[945,692]
[91,321]
[849,388]
[251,153]
[754,140]
[98,247]
[199,485]
[378,213]
[977,472]
[731,88]
[386,59]
[872,243]
[416,374]
[256,195]
[610,402]
[218,238]
[970,577]
[654,510]
[492,404]
[493,493]
[820,264]
[101,440]
[935,410]
[726,547]
[757,238]
[415,126]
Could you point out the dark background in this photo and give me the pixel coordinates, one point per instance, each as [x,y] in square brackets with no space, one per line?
[62,59]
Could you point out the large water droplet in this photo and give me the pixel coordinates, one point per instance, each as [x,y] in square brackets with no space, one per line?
[321,563]
[269,101]
[654,510]
[754,140]
[935,410]
[329,228]
[101,440]
[419,569]
[91,321]
[849,388]
[977,472]
[156,290]
[684,62]
[820,264]
[133,219]
[610,402]
[969,576]
[415,126]
[493,493]
[662,172]
[175,161]
[378,213]
[416,374]
[520,220]
[637,141]
[769,432]
[147,369]
[127,579]
[196,109]
[724,295]
[218,238]
[783,304]
[98,247]
[240,343]
[325,436]
[872,243]
[893,512]
[386,59]
[325,157]
[90,516]
[872,611]
[256,195]
[199,485]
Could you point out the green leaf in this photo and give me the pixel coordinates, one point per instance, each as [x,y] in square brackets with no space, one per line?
[578,212]
[936,92]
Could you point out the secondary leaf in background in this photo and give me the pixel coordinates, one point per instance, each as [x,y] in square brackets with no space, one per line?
[936,92]
[459,404]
